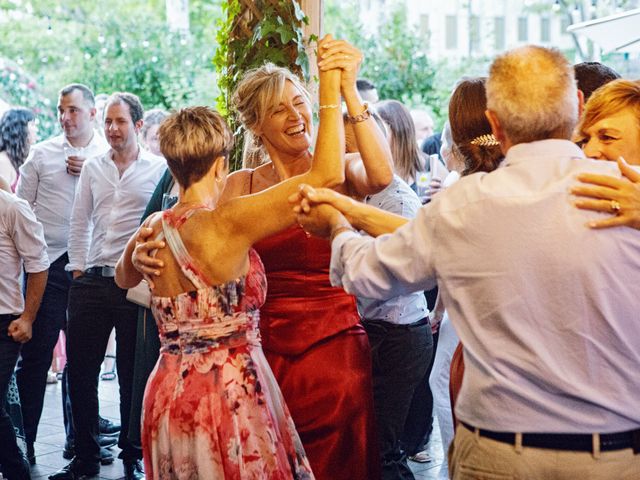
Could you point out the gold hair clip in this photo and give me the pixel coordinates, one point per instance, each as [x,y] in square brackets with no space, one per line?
[487,140]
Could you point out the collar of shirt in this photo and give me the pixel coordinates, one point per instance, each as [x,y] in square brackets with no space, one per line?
[542,148]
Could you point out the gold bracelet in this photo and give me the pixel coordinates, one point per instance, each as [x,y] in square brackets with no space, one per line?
[332,105]
[361,117]
[342,228]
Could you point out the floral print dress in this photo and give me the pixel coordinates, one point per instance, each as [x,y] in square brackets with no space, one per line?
[212,408]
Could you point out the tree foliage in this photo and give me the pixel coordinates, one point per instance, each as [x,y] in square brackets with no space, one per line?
[396,59]
[250,34]
[129,48]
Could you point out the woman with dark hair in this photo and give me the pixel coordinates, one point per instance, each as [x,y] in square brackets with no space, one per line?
[408,159]
[470,130]
[18,131]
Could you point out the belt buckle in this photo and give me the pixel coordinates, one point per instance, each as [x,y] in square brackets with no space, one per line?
[108,272]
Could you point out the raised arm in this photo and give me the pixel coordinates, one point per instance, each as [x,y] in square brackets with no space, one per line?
[372,170]
[260,215]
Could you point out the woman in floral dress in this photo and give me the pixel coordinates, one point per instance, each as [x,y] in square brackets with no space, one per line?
[212,408]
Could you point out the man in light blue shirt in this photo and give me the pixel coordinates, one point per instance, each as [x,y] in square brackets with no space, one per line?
[547,309]
[401,345]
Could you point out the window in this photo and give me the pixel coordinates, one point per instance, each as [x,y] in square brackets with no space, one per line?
[474,33]
[451,32]
[545,29]
[424,24]
[564,24]
[523,29]
[499,35]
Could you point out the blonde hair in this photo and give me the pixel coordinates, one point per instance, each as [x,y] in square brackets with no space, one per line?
[258,91]
[532,91]
[608,100]
[191,140]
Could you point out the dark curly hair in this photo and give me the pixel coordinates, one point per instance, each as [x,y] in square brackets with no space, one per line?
[14,134]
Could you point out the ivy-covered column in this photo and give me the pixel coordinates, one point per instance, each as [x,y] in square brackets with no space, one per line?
[254,32]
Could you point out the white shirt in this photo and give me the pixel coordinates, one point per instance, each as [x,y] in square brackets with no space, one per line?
[396,198]
[547,309]
[21,243]
[46,185]
[107,208]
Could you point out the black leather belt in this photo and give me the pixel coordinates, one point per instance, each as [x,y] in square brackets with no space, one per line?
[579,442]
[101,271]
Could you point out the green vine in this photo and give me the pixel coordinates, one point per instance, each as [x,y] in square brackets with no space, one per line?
[250,36]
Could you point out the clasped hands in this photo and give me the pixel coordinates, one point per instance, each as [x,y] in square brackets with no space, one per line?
[321,211]
[318,211]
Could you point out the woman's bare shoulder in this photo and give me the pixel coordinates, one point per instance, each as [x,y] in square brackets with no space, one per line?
[238,184]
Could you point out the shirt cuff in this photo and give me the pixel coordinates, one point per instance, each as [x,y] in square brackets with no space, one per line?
[337,266]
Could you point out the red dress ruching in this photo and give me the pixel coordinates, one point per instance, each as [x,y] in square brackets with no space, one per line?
[320,356]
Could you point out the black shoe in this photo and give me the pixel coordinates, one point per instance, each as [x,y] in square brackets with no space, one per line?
[76,470]
[107,427]
[133,470]
[107,442]
[31,455]
[106,457]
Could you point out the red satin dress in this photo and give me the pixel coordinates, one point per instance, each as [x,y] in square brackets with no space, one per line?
[320,356]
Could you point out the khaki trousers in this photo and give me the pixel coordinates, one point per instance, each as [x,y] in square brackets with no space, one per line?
[474,457]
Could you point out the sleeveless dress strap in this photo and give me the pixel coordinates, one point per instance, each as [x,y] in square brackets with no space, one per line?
[170,225]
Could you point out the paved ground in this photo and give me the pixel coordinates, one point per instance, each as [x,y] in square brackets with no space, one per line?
[50,441]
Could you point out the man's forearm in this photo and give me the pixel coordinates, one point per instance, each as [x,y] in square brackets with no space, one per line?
[36,283]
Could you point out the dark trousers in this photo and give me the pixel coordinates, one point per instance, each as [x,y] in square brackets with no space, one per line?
[419,424]
[147,353]
[96,306]
[35,358]
[400,356]
[12,462]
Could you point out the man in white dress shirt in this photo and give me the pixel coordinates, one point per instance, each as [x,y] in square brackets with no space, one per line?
[546,308]
[48,183]
[21,245]
[113,191]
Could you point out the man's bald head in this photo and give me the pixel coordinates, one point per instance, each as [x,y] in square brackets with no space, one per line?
[532,92]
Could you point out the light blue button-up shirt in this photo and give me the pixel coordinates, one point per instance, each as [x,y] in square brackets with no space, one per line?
[396,198]
[547,309]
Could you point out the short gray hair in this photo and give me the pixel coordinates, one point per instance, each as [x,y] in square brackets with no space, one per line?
[532,91]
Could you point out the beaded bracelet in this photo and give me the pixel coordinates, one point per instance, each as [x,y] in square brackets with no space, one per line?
[361,117]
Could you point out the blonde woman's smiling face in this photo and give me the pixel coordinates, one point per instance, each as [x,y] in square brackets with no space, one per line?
[287,125]
[614,136]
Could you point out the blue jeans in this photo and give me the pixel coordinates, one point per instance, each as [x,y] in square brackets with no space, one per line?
[11,458]
[35,358]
